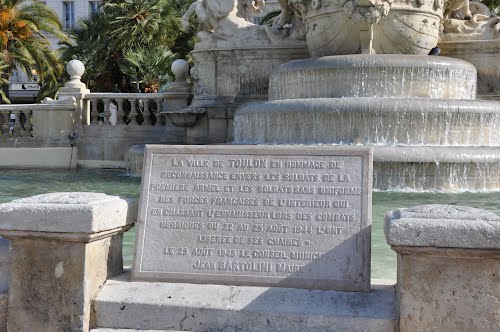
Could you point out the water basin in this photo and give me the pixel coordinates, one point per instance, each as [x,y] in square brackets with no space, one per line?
[24,183]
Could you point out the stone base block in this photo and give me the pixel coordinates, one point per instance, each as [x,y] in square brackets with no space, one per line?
[65,275]
[149,305]
[448,267]
[458,291]
[4,298]
[129,330]
[62,157]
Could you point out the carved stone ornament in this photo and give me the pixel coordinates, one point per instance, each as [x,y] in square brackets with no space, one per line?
[473,22]
[186,117]
[369,11]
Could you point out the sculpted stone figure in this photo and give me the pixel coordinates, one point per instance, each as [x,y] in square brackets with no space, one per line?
[255,5]
[218,18]
[223,23]
[289,22]
[456,5]
[481,24]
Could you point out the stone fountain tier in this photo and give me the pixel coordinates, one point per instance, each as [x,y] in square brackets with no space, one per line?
[395,26]
[370,121]
[419,114]
[365,75]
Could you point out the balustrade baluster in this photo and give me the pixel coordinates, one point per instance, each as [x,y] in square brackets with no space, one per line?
[95,113]
[17,122]
[107,112]
[4,127]
[147,114]
[28,126]
[120,114]
[159,109]
[133,112]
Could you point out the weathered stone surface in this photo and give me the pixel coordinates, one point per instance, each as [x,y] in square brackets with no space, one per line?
[128,330]
[3,312]
[4,265]
[458,293]
[59,261]
[256,215]
[189,307]
[68,213]
[4,282]
[53,282]
[448,267]
[483,25]
[37,157]
[443,226]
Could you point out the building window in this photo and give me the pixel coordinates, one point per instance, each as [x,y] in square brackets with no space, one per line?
[94,6]
[69,14]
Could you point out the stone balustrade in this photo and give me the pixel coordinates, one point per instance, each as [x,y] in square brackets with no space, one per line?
[112,109]
[19,120]
[107,108]
[95,128]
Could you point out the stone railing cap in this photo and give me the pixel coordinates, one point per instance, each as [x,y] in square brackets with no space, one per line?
[443,226]
[71,212]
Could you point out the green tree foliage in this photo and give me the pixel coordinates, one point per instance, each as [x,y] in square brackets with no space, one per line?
[114,44]
[24,26]
[146,66]
[492,4]
[141,22]
[92,45]
[4,80]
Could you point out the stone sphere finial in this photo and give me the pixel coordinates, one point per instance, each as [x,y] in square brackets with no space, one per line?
[180,68]
[75,70]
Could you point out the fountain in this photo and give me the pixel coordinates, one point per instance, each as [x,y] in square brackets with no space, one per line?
[418,112]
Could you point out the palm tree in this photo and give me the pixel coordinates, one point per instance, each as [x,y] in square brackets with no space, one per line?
[142,22]
[92,44]
[23,40]
[4,69]
[114,43]
[148,66]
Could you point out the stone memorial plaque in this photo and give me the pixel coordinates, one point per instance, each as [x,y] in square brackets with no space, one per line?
[287,216]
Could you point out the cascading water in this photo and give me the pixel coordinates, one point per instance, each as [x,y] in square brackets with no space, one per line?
[419,113]
[134,160]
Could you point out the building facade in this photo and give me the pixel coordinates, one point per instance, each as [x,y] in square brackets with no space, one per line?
[21,88]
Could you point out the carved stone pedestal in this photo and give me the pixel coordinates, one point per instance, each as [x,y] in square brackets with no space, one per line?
[448,267]
[63,248]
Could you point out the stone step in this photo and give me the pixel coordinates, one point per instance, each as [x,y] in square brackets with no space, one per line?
[129,330]
[151,306]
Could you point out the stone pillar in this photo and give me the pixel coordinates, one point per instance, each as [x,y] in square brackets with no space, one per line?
[63,248]
[57,124]
[179,92]
[448,267]
[77,89]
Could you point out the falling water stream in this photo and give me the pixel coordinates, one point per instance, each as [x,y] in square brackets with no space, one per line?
[418,113]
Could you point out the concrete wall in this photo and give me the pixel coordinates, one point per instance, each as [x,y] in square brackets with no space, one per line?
[112,142]
[59,157]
